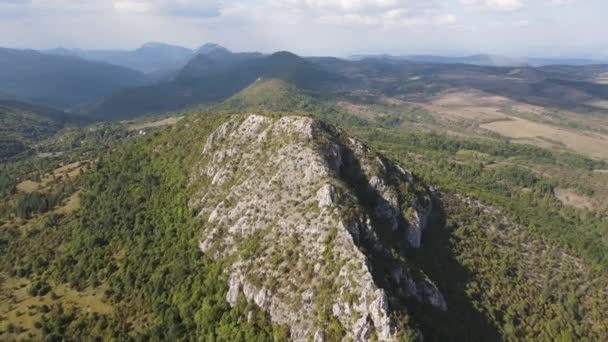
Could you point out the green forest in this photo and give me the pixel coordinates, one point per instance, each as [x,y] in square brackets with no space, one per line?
[134,241]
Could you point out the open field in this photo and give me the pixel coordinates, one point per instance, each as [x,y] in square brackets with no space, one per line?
[482,107]
[71,204]
[475,113]
[467,105]
[66,171]
[154,124]
[361,111]
[28,186]
[20,310]
[520,130]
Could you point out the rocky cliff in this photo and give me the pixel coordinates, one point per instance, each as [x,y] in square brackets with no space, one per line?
[315,227]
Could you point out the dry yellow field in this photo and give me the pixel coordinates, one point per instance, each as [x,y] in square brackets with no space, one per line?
[28,186]
[361,111]
[473,112]
[165,122]
[19,308]
[69,170]
[591,144]
[70,205]
[467,105]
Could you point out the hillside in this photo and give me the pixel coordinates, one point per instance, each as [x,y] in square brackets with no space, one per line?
[277,96]
[22,125]
[213,58]
[251,227]
[59,81]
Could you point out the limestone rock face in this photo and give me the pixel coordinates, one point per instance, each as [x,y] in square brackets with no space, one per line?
[325,195]
[300,208]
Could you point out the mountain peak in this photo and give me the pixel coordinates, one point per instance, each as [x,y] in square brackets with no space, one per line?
[212,48]
[330,199]
[152,45]
[162,47]
[285,55]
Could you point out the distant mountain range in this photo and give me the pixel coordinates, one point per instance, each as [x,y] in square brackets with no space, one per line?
[60,81]
[151,58]
[484,60]
[156,78]
[213,77]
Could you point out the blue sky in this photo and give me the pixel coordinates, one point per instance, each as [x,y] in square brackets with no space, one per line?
[316,27]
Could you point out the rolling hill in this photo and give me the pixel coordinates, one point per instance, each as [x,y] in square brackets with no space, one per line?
[214,85]
[212,58]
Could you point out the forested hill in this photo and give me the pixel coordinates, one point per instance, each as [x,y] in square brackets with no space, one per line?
[278,226]
[213,78]
[23,124]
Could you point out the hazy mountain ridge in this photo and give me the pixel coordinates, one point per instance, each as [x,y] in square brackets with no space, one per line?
[215,85]
[485,60]
[214,73]
[59,81]
[204,79]
[149,58]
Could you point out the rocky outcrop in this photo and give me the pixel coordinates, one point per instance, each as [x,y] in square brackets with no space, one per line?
[326,195]
[303,211]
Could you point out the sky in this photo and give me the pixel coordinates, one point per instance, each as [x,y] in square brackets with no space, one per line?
[531,28]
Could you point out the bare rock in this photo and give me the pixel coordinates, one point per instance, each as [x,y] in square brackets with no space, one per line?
[325,195]
[269,189]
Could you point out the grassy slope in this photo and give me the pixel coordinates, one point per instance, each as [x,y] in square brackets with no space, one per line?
[278,96]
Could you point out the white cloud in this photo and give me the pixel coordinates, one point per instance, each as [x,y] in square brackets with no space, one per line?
[349,6]
[559,2]
[128,6]
[497,5]
[308,26]
[445,19]
[381,13]
[364,7]
[521,23]
[391,20]
[187,8]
